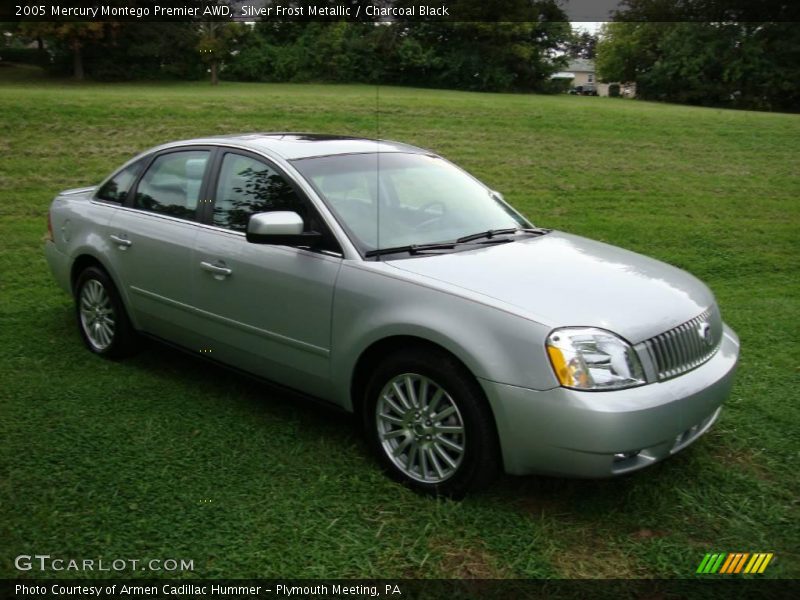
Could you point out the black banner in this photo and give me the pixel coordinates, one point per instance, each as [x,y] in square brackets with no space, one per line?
[401,10]
[729,588]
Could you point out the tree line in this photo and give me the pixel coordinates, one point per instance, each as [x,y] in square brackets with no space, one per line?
[727,64]
[475,55]
[725,53]
[670,57]
[470,56]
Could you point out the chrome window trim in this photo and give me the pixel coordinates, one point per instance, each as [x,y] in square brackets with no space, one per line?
[349,250]
[319,254]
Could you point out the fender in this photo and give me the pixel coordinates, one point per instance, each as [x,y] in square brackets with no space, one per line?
[493,344]
[87,250]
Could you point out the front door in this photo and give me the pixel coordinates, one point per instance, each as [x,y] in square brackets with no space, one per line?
[267,308]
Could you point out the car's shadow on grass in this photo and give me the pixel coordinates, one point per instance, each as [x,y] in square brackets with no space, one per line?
[214,383]
[638,506]
[215,379]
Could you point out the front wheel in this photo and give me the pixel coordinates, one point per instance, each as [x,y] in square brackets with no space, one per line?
[430,425]
[102,321]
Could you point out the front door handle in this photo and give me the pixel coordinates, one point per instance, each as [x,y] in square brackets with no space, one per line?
[219,271]
[120,241]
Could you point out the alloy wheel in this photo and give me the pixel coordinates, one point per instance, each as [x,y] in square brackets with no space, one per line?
[420,428]
[97,315]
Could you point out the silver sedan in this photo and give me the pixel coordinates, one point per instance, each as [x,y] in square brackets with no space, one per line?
[383,279]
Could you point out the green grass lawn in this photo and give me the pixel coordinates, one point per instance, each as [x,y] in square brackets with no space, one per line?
[162,456]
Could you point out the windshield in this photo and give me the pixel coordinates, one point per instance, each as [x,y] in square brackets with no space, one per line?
[387,200]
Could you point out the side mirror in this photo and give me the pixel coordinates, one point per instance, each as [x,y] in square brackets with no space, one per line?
[281,228]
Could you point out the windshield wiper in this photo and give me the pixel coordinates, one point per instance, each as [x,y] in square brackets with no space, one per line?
[411,249]
[491,233]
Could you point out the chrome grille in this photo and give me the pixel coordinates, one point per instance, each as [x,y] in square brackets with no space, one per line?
[686,346]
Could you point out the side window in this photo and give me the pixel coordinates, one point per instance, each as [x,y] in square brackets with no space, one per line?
[116,189]
[171,186]
[247,186]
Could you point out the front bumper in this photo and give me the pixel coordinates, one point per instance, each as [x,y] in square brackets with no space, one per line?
[601,434]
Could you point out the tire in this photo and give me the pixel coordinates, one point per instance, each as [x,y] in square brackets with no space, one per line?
[103,324]
[447,448]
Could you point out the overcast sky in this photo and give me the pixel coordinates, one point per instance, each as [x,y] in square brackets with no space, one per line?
[590,26]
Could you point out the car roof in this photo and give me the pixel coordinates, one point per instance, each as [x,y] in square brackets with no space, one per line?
[291,146]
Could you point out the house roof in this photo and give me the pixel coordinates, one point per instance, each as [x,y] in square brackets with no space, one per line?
[581,65]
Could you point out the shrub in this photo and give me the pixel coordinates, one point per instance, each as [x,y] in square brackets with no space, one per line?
[28,56]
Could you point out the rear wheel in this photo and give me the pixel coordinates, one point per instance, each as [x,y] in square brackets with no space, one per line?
[102,321]
[429,423]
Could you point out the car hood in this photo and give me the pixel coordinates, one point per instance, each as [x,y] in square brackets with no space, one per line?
[561,279]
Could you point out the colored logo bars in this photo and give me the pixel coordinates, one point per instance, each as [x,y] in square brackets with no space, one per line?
[735,562]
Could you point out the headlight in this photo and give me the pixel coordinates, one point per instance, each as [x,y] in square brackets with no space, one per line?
[585,358]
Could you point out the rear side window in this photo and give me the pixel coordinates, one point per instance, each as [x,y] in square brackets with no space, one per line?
[116,189]
[171,185]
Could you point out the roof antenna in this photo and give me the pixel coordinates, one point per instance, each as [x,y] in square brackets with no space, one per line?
[378,167]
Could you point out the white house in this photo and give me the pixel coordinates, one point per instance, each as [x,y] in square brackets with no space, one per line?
[581,73]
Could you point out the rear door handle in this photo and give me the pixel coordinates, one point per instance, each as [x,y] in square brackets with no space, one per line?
[120,241]
[218,271]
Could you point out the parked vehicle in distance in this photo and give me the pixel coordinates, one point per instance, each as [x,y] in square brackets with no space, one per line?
[383,279]
[583,90]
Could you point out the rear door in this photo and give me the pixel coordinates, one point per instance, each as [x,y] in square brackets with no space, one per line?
[153,237]
[268,308]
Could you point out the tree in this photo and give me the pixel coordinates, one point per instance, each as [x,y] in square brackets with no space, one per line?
[216,39]
[581,45]
[480,56]
[477,54]
[741,65]
[124,50]
[73,35]
[471,55]
[626,50]
[147,50]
